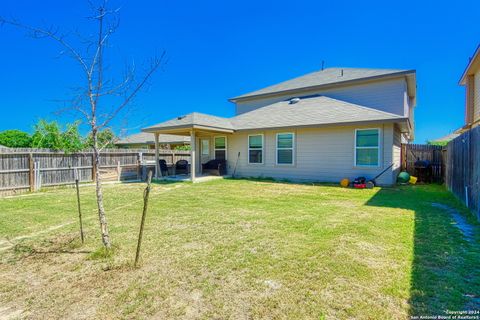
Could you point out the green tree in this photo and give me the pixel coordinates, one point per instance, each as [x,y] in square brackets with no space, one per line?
[15,139]
[183,148]
[47,135]
[50,135]
[71,139]
[438,143]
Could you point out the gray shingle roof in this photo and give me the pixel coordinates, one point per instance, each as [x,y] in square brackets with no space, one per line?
[312,111]
[325,77]
[195,118]
[148,138]
[319,110]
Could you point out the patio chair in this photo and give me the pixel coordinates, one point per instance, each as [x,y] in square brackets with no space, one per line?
[181,167]
[163,167]
[215,167]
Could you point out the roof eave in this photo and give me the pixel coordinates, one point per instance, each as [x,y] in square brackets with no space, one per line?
[188,126]
[346,123]
[329,85]
[473,60]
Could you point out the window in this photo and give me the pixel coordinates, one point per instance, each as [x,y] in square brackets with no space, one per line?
[367,147]
[221,148]
[205,147]
[255,148]
[285,148]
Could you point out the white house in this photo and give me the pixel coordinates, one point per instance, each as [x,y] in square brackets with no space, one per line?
[323,126]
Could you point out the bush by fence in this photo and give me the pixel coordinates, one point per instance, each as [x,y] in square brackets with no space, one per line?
[463,168]
[28,169]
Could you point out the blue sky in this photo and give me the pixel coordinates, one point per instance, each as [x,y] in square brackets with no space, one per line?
[220,49]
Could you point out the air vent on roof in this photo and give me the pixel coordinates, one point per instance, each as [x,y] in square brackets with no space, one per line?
[294,100]
[180,118]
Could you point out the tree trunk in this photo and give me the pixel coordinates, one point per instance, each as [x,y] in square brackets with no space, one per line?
[98,189]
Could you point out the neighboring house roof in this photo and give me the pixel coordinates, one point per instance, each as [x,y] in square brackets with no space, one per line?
[3,147]
[148,138]
[447,138]
[194,119]
[326,77]
[473,65]
[311,111]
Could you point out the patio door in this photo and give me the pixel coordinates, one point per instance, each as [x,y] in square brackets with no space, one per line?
[204,150]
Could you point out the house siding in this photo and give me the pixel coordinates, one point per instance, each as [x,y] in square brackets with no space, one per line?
[385,95]
[321,154]
[476,97]
[396,152]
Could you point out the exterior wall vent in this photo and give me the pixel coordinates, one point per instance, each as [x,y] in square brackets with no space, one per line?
[294,100]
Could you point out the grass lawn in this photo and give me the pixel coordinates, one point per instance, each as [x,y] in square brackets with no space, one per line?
[238,249]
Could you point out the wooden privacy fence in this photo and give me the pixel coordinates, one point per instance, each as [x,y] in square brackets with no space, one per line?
[434,154]
[30,169]
[463,169]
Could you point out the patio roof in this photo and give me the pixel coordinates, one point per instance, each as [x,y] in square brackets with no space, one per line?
[149,138]
[193,120]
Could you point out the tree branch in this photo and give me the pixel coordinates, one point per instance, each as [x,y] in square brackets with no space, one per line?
[38,32]
[156,63]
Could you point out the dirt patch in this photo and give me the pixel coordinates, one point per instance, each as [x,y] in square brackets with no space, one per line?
[7,313]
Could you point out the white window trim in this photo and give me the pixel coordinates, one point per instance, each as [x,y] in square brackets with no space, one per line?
[215,148]
[292,148]
[263,148]
[378,149]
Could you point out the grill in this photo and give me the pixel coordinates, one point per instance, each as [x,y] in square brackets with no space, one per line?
[423,170]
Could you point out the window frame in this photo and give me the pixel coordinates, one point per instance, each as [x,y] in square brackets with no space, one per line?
[262,149]
[292,148]
[379,147]
[215,147]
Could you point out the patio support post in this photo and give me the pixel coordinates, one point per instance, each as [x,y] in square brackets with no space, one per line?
[192,155]
[157,157]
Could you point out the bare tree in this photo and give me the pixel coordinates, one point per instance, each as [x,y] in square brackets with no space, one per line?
[99,101]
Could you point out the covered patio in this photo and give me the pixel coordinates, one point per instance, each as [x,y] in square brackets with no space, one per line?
[209,141]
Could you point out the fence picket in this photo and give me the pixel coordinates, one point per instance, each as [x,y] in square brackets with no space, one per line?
[462,176]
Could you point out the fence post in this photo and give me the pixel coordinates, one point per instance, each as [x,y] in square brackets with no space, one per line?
[31,177]
[139,166]
[38,176]
[119,171]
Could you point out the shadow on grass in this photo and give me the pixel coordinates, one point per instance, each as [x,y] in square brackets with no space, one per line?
[444,273]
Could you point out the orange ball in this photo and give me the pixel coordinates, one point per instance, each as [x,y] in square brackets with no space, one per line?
[345,182]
